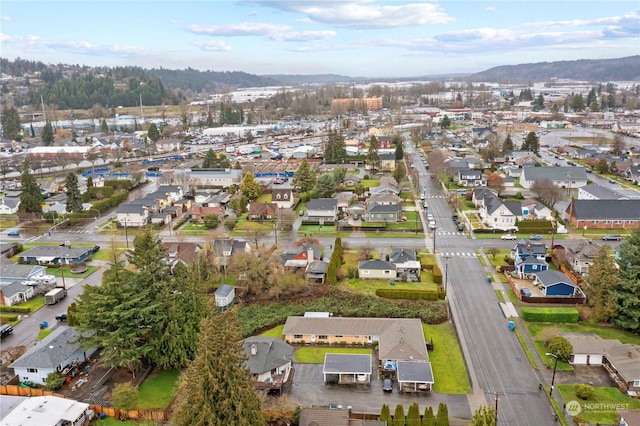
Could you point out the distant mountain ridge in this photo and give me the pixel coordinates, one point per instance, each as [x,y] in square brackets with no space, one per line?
[619,69]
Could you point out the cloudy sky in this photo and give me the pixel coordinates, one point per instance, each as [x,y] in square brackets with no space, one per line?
[370,38]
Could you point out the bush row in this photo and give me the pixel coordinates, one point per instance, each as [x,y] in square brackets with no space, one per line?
[534,226]
[119,184]
[257,317]
[18,309]
[409,294]
[437,274]
[550,314]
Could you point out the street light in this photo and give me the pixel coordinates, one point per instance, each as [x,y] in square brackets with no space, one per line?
[126,233]
[555,365]
[446,273]
[96,210]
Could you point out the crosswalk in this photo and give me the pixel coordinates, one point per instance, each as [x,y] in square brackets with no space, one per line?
[458,254]
[460,234]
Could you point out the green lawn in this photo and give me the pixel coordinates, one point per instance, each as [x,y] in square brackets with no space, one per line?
[369,286]
[112,421]
[264,198]
[449,368]
[7,223]
[409,233]
[368,183]
[600,412]
[315,354]
[44,333]
[158,390]
[67,272]
[274,332]
[549,360]
[542,330]
[35,303]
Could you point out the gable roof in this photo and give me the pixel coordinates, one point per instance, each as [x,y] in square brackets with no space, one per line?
[51,351]
[270,353]
[601,193]
[323,417]
[401,255]
[554,174]
[12,271]
[224,290]
[604,209]
[322,204]
[263,209]
[551,277]
[11,289]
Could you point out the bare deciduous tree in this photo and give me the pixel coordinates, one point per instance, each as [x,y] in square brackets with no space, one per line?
[546,191]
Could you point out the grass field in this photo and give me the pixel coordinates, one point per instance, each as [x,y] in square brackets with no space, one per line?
[158,390]
[449,369]
[112,421]
[274,332]
[34,304]
[67,272]
[605,402]
[369,286]
[44,333]
[315,354]
[7,223]
[544,330]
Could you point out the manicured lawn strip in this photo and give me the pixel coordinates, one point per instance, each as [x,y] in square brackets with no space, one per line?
[536,330]
[105,253]
[67,272]
[274,332]
[368,183]
[369,286]
[6,223]
[498,259]
[44,333]
[385,234]
[601,396]
[500,296]
[193,227]
[449,369]
[512,297]
[194,233]
[264,198]
[34,304]
[315,354]
[112,421]
[158,390]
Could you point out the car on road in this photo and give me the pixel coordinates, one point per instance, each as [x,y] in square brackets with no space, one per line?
[5,330]
[61,317]
[508,237]
[535,237]
[612,237]
[460,227]
[13,233]
[153,169]
[612,181]
[387,385]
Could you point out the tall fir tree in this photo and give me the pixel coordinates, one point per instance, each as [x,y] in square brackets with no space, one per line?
[385,414]
[10,120]
[628,292]
[601,284]
[74,198]
[47,135]
[249,187]
[216,388]
[336,151]
[428,419]
[304,179]
[398,417]
[31,197]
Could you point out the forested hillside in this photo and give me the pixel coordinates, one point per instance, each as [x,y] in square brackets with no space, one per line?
[210,81]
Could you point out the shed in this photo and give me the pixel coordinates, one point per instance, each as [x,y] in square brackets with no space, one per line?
[225,295]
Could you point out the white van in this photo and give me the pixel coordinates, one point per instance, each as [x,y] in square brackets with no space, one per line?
[44,279]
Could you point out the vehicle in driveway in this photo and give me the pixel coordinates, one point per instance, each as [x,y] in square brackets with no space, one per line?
[61,317]
[387,385]
[508,237]
[612,237]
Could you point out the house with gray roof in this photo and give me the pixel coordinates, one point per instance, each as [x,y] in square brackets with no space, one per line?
[9,205]
[10,272]
[495,213]
[471,178]
[132,215]
[215,177]
[528,265]
[316,272]
[15,293]
[406,263]
[322,209]
[225,294]
[383,213]
[377,269]
[555,283]
[384,198]
[593,191]
[582,256]
[57,255]
[603,214]
[269,360]
[55,353]
[46,411]
[562,177]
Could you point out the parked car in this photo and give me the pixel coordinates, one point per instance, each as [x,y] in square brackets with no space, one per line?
[508,237]
[61,317]
[5,330]
[13,233]
[612,181]
[535,237]
[153,169]
[612,237]
[525,292]
[278,181]
[460,227]
[387,385]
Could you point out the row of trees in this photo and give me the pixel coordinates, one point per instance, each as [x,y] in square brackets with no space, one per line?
[413,418]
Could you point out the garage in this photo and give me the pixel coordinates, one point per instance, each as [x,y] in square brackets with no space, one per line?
[347,368]
[414,376]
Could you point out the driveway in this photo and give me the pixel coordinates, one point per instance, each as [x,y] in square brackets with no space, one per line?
[309,389]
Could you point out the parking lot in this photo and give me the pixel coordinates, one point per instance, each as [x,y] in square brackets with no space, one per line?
[309,389]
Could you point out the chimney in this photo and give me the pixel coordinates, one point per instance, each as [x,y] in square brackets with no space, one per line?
[310,254]
[629,354]
[254,349]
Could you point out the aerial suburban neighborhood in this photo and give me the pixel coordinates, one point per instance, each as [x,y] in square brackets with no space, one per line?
[421,253]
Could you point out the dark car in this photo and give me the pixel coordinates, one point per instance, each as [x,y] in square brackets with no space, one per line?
[61,317]
[460,227]
[525,292]
[387,385]
[611,237]
[153,169]
[5,330]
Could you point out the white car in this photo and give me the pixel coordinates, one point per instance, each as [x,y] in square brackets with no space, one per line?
[508,237]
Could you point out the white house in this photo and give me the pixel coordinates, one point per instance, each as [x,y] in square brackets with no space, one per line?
[9,205]
[48,411]
[562,177]
[54,353]
[16,293]
[132,215]
[225,295]
[376,269]
[215,177]
[283,197]
[322,209]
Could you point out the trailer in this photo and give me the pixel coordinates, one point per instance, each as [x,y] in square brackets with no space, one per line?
[54,296]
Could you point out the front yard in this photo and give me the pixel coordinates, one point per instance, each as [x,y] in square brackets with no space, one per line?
[315,354]
[601,407]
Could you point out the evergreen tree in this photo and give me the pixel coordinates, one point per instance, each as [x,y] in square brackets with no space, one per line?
[601,284]
[153,133]
[385,414]
[10,121]
[398,417]
[338,175]
[336,151]
[445,123]
[74,198]
[428,419]
[373,159]
[304,179]
[209,159]
[413,416]
[48,137]
[31,197]
[325,186]
[442,418]
[104,127]
[400,172]
[89,182]
[249,187]
[216,388]
[531,143]
[628,291]
[399,152]
[507,145]
[484,416]
[147,256]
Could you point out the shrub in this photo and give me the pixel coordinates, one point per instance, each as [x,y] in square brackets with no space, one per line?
[584,391]
[352,272]
[550,314]
[366,177]
[560,346]
[230,223]
[54,381]
[124,396]
[340,274]
[18,309]
[437,274]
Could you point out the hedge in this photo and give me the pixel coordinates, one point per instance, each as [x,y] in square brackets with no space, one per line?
[406,293]
[5,318]
[534,226]
[550,314]
[18,309]
[437,274]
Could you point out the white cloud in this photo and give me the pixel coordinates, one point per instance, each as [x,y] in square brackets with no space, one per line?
[212,46]
[364,14]
[241,29]
[490,9]
[304,36]
[6,18]
[35,44]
